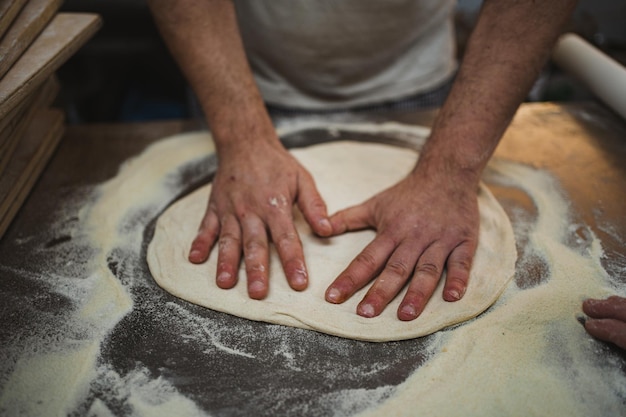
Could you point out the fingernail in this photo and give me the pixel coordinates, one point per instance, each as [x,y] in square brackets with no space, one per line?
[454,294]
[333,295]
[366,310]
[408,310]
[255,287]
[299,280]
[325,225]
[194,254]
[223,277]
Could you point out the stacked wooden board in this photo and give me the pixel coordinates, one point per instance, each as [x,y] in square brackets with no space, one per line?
[35,40]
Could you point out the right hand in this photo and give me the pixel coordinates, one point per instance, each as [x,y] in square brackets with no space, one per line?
[607,319]
[253,192]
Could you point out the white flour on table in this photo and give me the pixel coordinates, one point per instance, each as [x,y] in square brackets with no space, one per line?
[526,355]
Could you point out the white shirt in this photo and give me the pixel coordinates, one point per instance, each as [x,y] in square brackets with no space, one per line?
[333,54]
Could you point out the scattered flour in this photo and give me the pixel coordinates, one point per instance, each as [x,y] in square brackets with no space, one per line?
[52,376]
[143,395]
[527,355]
[50,383]
[209,334]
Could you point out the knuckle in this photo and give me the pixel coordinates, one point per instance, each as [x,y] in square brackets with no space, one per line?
[208,227]
[295,265]
[378,292]
[228,268]
[208,232]
[428,268]
[254,245]
[398,268]
[286,239]
[456,281]
[416,296]
[317,204]
[366,259]
[389,235]
[255,267]
[228,240]
[349,282]
[462,264]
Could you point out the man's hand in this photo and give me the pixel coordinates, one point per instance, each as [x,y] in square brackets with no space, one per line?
[607,319]
[423,226]
[253,194]
[430,220]
[257,181]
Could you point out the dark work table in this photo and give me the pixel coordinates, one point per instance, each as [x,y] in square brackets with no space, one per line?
[45,260]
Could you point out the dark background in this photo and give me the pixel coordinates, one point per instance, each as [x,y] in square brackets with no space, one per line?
[125,72]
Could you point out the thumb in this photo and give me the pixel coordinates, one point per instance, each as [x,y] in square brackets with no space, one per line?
[352,218]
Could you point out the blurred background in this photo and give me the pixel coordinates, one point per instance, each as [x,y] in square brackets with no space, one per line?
[125,73]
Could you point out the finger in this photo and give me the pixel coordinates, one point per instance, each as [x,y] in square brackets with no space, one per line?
[290,251]
[353,218]
[204,240]
[458,271]
[391,280]
[229,254]
[313,207]
[609,330]
[613,307]
[367,264]
[425,278]
[256,256]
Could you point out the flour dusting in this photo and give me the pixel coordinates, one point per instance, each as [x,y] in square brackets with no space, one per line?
[526,355]
[528,352]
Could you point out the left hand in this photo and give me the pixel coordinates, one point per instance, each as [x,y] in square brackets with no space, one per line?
[424,224]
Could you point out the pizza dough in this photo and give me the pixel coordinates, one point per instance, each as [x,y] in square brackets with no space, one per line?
[346,173]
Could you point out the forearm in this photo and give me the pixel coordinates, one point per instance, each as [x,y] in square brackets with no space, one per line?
[507,49]
[204,39]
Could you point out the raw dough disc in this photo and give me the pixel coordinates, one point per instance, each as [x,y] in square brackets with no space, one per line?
[346,173]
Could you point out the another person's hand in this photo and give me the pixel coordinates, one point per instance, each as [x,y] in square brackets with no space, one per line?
[607,319]
[424,224]
[251,202]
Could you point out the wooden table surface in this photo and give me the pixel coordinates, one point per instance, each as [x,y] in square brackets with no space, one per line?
[583,145]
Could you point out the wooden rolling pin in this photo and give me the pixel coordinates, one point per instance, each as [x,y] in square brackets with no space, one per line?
[605,77]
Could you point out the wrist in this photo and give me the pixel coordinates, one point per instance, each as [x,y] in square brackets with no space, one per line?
[445,172]
[242,129]
[456,158]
